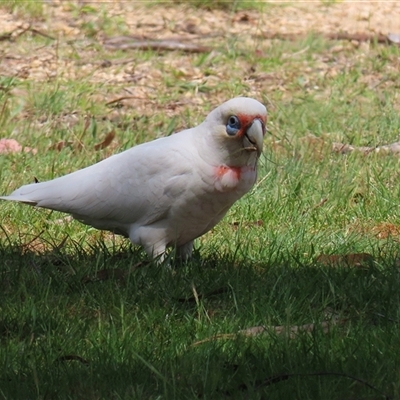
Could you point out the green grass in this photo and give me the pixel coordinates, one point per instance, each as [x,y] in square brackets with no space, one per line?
[69,331]
[31,8]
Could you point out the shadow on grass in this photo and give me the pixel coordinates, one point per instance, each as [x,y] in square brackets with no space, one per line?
[64,335]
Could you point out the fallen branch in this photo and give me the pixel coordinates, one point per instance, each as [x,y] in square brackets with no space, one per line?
[15,34]
[131,43]
[281,377]
[362,37]
[289,331]
[292,331]
[391,38]
[342,148]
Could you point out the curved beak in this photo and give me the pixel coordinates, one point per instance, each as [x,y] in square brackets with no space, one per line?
[254,136]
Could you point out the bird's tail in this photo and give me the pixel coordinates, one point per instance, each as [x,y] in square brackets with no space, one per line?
[28,194]
[36,194]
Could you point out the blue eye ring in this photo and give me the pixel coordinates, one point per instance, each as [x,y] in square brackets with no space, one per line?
[233,126]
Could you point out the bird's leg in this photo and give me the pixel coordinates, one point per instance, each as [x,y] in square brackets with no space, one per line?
[152,238]
[155,252]
[184,252]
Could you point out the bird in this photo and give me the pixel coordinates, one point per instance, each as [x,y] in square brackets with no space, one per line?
[169,191]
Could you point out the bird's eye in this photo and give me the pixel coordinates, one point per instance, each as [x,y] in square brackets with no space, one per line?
[233,125]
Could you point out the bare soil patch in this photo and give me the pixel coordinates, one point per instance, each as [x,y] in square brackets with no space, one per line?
[68,52]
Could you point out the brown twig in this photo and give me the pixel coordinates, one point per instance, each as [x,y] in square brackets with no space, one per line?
[123,98]
[316,206]
[128,43]
[26,245]
[7,236]
[40,33]
[73,357]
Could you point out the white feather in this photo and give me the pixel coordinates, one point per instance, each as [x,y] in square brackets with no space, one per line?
[162,193]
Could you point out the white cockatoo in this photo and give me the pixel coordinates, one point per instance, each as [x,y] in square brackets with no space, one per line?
[169,191]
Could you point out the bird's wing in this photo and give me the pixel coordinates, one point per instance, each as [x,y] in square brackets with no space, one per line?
[138,184]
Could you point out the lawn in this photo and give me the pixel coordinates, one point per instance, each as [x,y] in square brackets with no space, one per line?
[294,295]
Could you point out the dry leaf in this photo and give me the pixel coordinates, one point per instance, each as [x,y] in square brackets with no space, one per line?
[385,229]
[61,144]
[106,142]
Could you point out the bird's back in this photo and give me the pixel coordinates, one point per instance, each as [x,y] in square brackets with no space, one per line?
[122,188]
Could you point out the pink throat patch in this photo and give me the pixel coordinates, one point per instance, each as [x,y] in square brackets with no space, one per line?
[228,178]
[234,172]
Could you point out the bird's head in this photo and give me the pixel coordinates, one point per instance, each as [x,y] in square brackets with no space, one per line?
[237,127]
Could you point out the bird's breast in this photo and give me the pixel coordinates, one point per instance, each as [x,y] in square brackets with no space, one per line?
[232,178]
